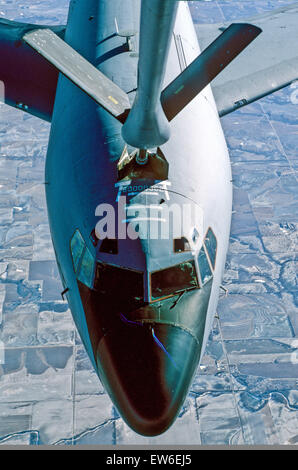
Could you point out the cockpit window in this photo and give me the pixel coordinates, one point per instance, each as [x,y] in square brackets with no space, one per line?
[195,235]
[120,282]
[205,269]
[83,261]
[86,269]
[110,246]
[181,244]
[77,246]
[173,280]
[210,243]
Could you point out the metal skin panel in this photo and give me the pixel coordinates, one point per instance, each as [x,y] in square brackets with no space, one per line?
[81,173]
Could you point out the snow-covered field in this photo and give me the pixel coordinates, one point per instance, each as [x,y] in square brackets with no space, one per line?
[246,390]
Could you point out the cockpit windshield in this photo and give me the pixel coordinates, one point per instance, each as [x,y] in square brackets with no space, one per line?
[119,282]
[174,280]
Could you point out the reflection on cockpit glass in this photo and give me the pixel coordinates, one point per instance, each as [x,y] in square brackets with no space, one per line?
[205,269]
[119,282]
[181,244]
[210,243]
[109,246]
[77,246]
[86,269]
[174,280]
[83,261]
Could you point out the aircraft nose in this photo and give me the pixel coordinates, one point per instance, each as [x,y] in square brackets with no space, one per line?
[147,370]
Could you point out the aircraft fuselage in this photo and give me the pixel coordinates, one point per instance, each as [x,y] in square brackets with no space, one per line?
[144,337]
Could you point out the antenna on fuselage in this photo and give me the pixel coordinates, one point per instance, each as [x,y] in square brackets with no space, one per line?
[128,34]
[142,157]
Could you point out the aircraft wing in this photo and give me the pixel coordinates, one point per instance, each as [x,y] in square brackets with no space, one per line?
[28,80]
[267,65]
